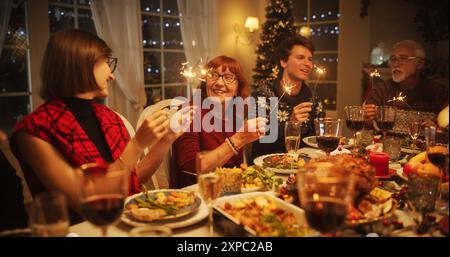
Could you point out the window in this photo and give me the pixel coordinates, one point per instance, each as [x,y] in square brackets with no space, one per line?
[15,93]
[64,14]
[322,17]
[163,50]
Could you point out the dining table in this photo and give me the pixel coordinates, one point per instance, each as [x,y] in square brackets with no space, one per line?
[200,228]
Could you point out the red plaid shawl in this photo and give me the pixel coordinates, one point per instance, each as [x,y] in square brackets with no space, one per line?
[54,123]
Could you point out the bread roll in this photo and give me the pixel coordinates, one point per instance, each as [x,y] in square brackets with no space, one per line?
[442,118]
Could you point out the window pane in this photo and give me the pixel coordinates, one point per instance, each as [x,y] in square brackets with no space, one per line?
[154,95]
[84,2]
[16,27]
[150,6]
[13,70]
[61,1]
[60,18]
[172,34]
[13,109]
[300,10]
[85,21]
[151,27]
[152,68]
[172,66]
[327,95]
[325,37]
[171,92]
[329,62]
[322,10]
[170,7]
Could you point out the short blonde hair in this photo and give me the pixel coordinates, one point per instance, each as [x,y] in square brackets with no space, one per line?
[412,45]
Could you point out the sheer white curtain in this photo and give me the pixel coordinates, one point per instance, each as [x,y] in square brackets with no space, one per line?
[199,24]
[118,22]
[5,12]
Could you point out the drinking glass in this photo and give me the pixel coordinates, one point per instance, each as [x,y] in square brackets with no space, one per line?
[354,119]
[325,195]
[102,191]
[328,133]
[49,215]
[292,132]
[209,185]
[385,118]
[437,153]
[414,127]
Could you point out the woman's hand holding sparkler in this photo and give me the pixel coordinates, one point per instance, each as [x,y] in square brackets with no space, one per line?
[370,111]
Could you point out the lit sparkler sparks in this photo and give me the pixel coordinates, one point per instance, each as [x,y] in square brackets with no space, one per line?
[287,88]
[194,73]
[400,98]
[319,71]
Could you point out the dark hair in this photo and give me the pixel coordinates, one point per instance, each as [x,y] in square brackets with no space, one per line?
[68,63]
[284,49]
[233,66]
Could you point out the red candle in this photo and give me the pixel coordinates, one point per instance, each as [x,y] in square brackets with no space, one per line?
[381,163]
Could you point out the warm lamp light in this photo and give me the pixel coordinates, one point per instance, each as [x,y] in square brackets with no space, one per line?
[252,23]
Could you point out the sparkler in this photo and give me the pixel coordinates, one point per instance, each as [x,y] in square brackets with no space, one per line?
[400,98]
[195,73]
[319,71]
[287,88]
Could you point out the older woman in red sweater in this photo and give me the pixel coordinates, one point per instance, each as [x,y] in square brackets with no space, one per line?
[225,80]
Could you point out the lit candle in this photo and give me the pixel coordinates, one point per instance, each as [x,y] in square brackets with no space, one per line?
[381,163]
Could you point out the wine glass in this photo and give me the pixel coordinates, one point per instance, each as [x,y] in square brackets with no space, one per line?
[292,132]
[437,153]
[385,118]
[414,127]
[328,133]
[210,188]
[355,119]
[102,191]
[325,195]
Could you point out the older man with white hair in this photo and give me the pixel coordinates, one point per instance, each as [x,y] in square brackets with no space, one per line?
[407,63]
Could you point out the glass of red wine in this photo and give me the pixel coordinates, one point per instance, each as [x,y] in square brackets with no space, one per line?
[325,196]
[437,153]
[385,118]
[354,119]
[101,191]
[328,133]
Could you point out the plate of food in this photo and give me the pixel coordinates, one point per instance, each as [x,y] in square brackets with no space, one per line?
[375,206]
[281,163]
[260,214]
[168,206]
[312,142]
[256,178]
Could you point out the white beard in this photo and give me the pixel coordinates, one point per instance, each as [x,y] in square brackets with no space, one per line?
[398,77]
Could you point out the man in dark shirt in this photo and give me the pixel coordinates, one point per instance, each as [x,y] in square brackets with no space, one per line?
[407,63]
[295,63]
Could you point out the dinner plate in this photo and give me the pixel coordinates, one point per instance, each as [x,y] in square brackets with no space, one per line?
[251,189]
[185,216]
[260,161]
[311,141]
[366,221]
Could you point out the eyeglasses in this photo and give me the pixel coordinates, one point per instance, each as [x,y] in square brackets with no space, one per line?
[112,63]
[227,78]
[402,59]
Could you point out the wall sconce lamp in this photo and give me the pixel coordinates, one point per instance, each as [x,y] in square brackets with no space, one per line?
[246,35]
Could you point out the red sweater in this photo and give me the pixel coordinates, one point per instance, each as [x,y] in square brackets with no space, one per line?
[186,147]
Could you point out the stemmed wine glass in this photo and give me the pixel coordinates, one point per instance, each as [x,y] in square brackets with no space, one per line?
[292,132]
[328,133]
[210,188]
[102,191]
[385,118]
[325,195]
[414,127]
[355,119]
[437,153]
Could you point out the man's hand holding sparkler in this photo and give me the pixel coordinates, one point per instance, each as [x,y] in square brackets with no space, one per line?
[301,112]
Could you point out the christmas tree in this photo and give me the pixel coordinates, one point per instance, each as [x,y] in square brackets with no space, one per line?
[279,25]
